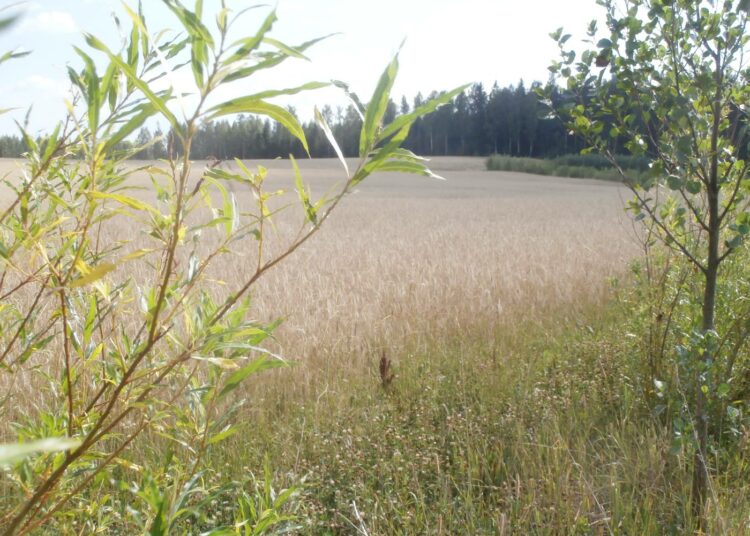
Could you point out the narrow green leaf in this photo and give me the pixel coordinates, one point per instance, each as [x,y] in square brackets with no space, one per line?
[52,142]
[133,48]
[383,154]
[221,436]
[358,106]
[12,55]
[304,197]
[190,21]
[11,453]
[27,138]
[221,19]
[92,94]
[406,154]
[138,253]
[7,22]
[134,123]
[221,362]
[402,166]
[137,21]
[321,121]
[90,320]
[286,49]
[109,85]
[260,364]
[376,108]
[90,275]
[159,104]
[253,106]
[222,174]
[267,63]
[426,108]
[248,45]
[196,63]
[123,199]
[278,92]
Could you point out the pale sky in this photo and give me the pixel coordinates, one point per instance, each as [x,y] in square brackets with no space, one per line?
[448,43]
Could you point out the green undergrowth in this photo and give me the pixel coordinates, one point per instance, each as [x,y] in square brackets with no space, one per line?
[575,166]
[544,428]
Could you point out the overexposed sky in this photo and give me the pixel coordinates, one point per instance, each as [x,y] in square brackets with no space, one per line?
[448,43]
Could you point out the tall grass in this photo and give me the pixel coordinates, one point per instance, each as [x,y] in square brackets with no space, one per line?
[542,428]
[577,166]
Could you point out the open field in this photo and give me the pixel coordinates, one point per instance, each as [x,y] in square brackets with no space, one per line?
[407,255]
[515,408]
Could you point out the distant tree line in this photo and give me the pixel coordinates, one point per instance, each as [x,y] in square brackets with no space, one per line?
[11,147]
[509,121]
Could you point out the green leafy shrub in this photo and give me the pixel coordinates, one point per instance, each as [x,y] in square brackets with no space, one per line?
[667,82]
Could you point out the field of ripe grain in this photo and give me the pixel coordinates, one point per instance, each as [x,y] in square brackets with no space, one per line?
[514,391]
[405,257]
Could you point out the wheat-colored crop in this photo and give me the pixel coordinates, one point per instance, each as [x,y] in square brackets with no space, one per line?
[408,258]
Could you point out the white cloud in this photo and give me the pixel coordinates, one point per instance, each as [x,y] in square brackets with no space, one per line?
[60,22]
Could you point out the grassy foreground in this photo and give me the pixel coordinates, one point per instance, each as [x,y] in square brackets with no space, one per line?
[542,428]
[540,425]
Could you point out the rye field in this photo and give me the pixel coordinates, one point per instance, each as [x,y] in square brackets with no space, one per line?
[463,358]
[455,365]
[551,340]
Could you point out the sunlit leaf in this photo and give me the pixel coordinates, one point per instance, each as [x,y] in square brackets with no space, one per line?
[259,365]
[321,121]
[254,106]
[133,124]
[123,199]
[13,54]
[289,51]
[358,106]
[376,107]
[224,434]
[159,103]
[407,167]
[277,92]
[190,21]
[248,45]
[221,362]
[11,453]
[426,108]
[90,275]
[267,63]
[304,197]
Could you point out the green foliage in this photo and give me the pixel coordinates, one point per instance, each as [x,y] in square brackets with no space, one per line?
[678,95]
[109,300]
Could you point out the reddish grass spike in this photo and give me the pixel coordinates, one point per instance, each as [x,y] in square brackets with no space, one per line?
[386,376]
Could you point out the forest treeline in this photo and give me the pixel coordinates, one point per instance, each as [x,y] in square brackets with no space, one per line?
[504,120]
